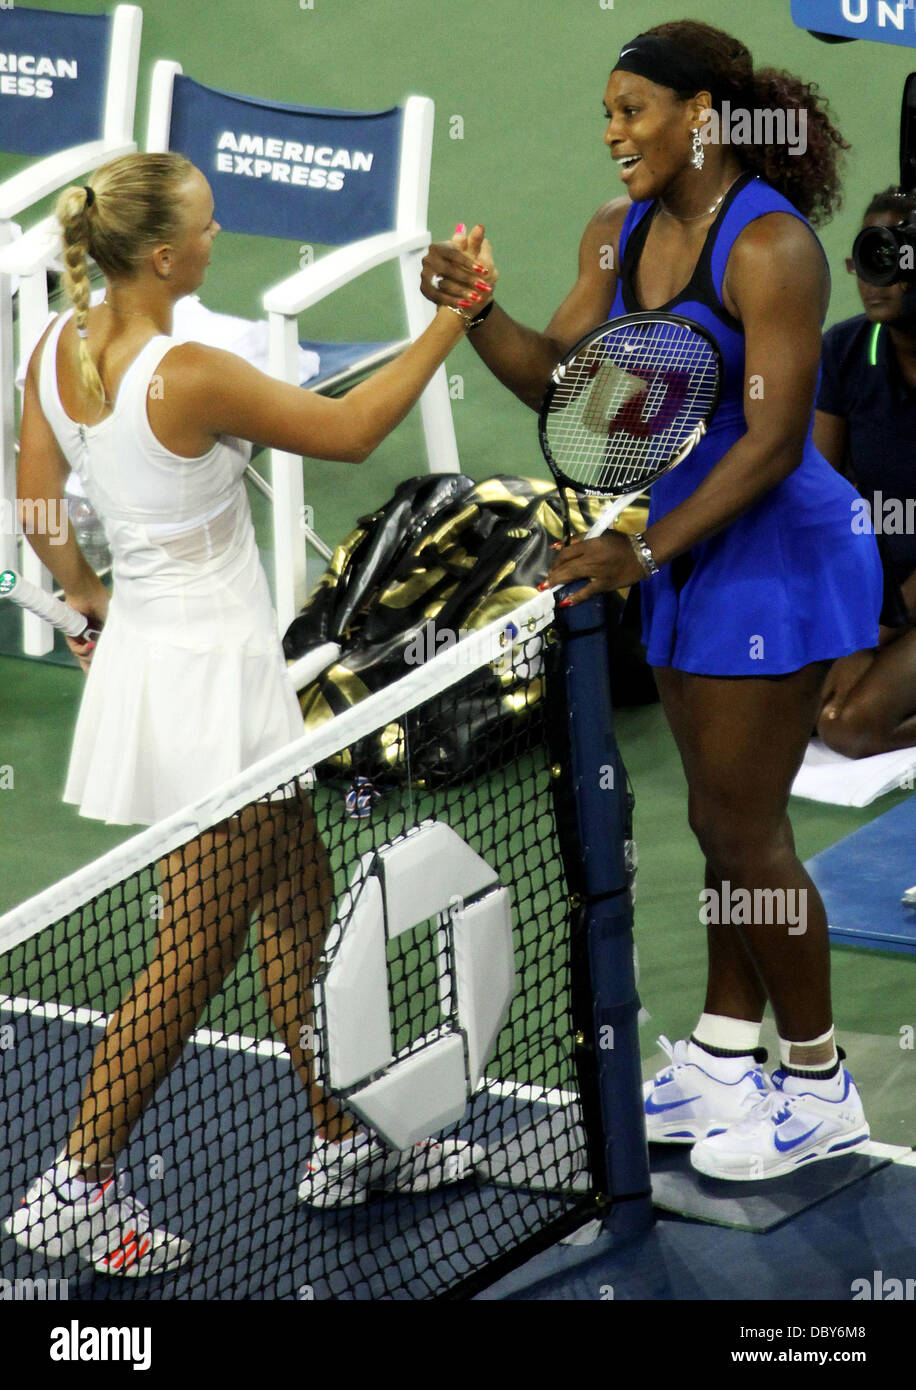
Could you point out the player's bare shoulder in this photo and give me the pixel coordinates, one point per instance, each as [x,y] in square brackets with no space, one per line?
[196,370]
[34,366]
[591,297]
[777,249]
[599,248]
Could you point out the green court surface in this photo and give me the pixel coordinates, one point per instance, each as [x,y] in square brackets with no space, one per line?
[518,145]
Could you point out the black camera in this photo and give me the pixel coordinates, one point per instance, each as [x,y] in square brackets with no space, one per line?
[887,255]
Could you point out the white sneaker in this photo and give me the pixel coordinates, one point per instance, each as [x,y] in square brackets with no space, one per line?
[431,1163]
[344,1175]
[104,1226]
[699,1094]
[788,1128]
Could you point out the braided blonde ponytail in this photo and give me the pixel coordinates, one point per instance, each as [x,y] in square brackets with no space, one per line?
[73,214]
[132,205]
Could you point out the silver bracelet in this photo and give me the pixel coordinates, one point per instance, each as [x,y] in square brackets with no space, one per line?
[643,554]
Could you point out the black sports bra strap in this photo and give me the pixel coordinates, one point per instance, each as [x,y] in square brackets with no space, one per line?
[700,286]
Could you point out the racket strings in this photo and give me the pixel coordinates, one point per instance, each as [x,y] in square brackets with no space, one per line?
[629,404]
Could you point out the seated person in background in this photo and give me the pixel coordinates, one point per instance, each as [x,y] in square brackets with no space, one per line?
[865,425]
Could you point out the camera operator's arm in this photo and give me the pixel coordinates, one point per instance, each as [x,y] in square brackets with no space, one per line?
[831,434]
[831,430]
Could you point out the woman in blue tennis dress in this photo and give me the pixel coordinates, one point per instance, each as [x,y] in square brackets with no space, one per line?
[788,582]
[753,579]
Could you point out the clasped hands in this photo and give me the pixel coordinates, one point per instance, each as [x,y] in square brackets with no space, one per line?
[460,273]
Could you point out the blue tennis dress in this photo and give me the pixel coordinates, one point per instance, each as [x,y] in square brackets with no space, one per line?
[789,582]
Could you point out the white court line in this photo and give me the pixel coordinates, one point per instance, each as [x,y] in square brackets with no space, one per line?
[91,1018]
[84,1017]
[240,1042]
[898,1153]
[517,1090]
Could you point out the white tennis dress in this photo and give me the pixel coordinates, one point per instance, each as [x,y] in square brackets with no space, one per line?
[188,684]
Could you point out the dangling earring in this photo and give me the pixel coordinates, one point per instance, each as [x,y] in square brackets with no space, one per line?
[698,157]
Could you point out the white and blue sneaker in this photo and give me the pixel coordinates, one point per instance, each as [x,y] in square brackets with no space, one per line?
[788,1128]
[699,1094]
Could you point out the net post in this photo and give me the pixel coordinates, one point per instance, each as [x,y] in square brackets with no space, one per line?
[608,1052]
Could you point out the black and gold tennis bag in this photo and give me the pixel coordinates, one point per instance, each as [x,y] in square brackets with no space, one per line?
[443,557]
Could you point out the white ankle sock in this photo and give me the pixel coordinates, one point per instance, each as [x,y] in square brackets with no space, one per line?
[733,1034]
[68,1179]
[825,1087]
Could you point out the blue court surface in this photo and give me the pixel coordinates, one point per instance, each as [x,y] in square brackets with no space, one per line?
[863,877]
[867,1227]
[251,1235]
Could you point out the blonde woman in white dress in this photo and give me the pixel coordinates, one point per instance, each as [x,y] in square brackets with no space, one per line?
[188,684]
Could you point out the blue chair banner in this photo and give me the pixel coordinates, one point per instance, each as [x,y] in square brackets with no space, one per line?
[53,70]
[288,171]
[883,21]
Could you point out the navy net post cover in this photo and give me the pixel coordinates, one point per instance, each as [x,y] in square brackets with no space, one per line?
[395,949]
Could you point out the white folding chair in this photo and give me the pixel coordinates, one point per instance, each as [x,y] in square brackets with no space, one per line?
[357,181]
[67,96]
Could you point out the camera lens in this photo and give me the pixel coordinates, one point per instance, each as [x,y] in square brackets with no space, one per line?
[878,254]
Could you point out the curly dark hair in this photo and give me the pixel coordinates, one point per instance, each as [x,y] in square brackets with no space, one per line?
[810,181]
[892,199]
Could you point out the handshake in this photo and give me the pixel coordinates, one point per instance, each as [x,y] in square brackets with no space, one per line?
[460,274]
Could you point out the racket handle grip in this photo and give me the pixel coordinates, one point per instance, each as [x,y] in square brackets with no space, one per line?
[610,514]
[60,615]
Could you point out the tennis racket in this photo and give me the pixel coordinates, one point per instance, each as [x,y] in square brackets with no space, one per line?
[628,403]
[27,595]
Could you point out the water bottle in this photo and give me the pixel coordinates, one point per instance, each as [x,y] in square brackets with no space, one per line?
[90,534]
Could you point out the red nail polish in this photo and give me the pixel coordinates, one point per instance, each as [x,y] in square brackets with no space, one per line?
[482,285]
[543,585]
[564,602]
[459,230]
[465,303]
[475,297]
[482,270]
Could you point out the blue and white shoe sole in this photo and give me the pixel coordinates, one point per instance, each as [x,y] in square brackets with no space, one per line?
[754,1168]
[684,1131]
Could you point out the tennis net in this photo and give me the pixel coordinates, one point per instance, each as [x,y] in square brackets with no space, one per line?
[379,918]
